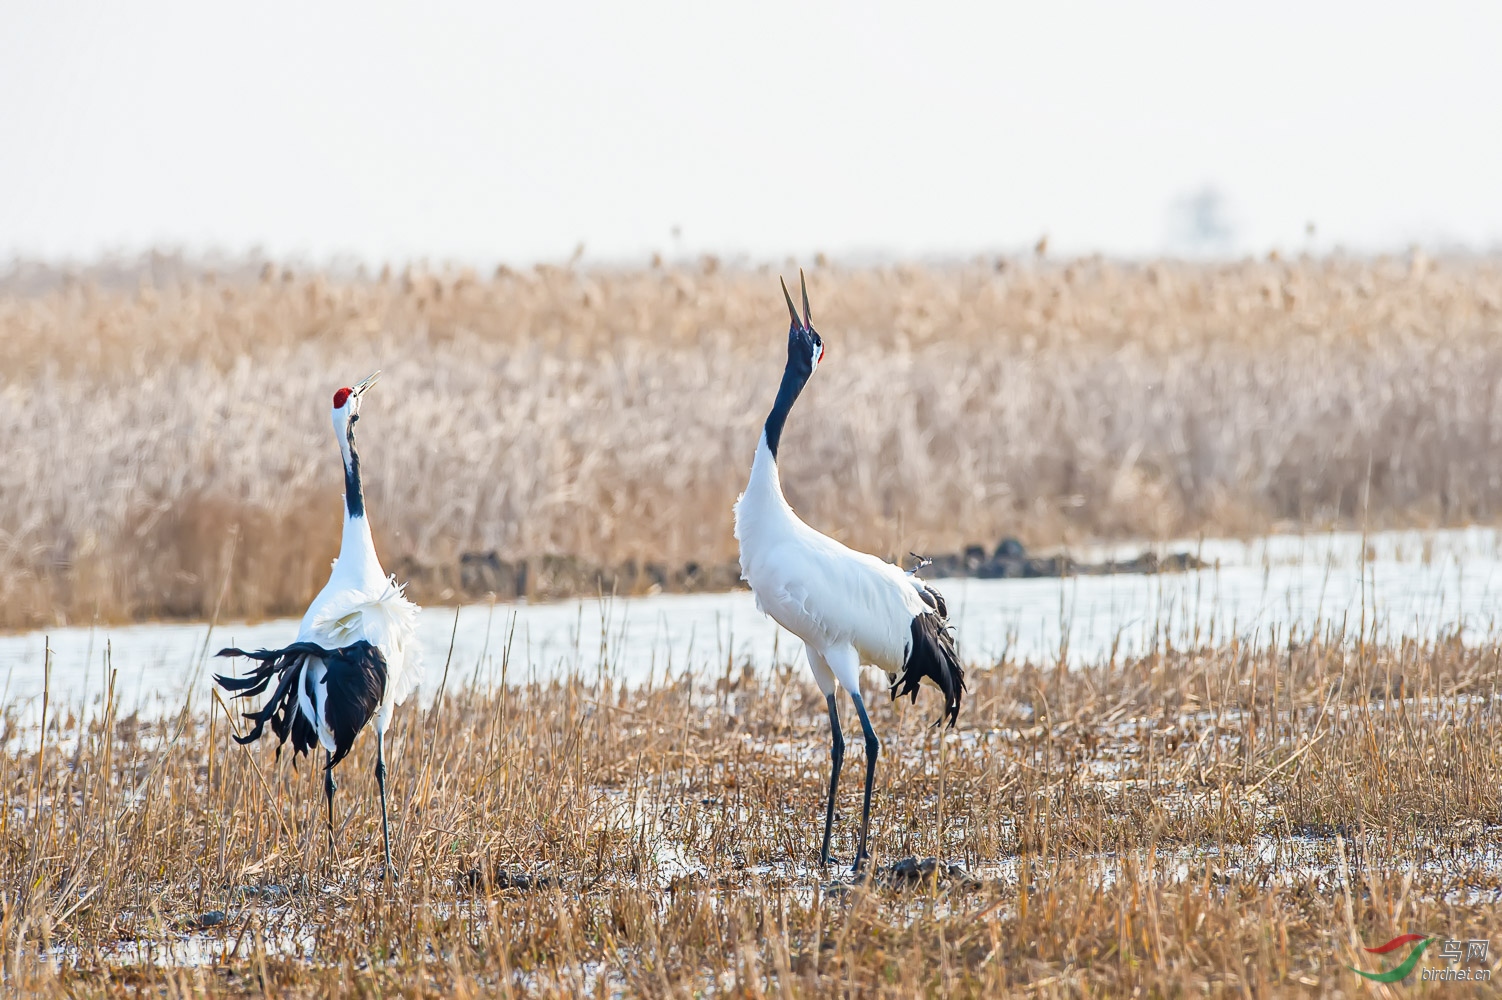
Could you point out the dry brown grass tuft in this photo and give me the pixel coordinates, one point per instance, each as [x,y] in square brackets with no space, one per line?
[611,415]
[1215,822]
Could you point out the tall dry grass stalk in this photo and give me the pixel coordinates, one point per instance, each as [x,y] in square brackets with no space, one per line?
[1198,822]
[155,432]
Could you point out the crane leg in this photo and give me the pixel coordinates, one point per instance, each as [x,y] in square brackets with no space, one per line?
[837,752]
[328,792]
[381,784]
[873,747]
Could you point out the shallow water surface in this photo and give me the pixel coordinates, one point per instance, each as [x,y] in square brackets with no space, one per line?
[1418,584]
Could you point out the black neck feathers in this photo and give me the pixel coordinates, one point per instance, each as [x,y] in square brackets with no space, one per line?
[787,394]
[802,346]
[354,496]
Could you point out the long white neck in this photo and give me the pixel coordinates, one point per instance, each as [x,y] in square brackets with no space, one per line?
[357,554]
[765,482]
[762,512]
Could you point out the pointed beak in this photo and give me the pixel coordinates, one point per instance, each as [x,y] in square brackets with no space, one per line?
[792,310]
[808,322]
[360,389]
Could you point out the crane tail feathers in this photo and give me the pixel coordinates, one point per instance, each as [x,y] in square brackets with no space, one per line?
[932,655]
[356,675]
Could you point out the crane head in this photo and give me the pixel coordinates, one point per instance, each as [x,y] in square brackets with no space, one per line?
[805,346]
[349,396]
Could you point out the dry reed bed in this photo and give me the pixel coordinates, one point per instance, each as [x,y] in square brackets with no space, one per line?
[1193,822]
[160,435]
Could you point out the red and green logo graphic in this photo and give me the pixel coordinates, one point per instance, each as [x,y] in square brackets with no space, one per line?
[1405,968]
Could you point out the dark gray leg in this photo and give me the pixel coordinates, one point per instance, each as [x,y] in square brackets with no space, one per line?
[838,753]
[872,749]
[328,791]
[381,784]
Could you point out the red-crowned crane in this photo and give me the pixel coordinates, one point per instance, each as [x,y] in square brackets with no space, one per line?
[849,608]
[356,655]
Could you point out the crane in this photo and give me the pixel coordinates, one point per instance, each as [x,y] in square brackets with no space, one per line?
[849,608]
[356,656]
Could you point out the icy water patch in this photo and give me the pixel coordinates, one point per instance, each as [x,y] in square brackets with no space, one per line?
[1396,584]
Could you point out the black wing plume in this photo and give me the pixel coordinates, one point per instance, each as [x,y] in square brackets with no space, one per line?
[356,679]
[931,654]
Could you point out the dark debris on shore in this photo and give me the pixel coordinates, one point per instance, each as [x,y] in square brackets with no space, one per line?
[1009,561]
[481,575]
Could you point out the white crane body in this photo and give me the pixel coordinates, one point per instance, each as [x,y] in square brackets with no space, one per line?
[825,593]
[360,602]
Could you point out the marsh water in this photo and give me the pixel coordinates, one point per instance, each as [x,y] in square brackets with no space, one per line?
[1394,584]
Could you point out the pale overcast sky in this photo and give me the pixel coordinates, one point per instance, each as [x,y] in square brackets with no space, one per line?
[486,132]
